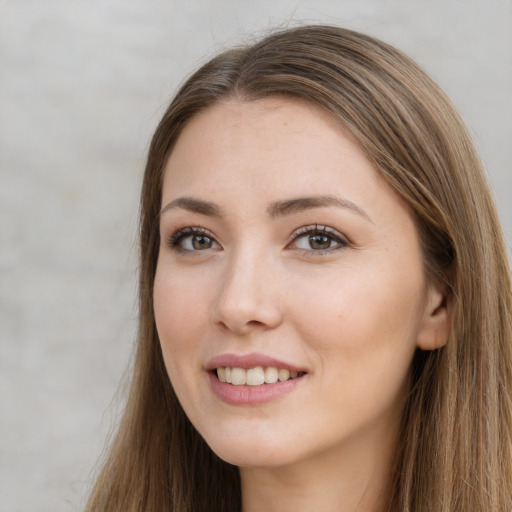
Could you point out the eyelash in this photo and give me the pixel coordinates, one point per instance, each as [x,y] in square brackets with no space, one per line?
[176,239]
[178,236]
[315,229]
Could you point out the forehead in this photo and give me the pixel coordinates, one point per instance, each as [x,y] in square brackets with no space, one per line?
[273,138]
[245,157]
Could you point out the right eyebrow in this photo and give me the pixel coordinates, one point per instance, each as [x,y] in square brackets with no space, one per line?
[193,205]
[292,206]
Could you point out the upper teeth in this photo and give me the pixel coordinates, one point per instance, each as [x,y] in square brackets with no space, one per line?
[254,376]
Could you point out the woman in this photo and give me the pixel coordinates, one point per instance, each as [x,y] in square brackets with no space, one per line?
[324,294]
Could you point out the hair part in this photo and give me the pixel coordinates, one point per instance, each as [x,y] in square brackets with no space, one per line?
[455,451]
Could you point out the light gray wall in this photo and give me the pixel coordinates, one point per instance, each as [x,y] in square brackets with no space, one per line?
[82,86]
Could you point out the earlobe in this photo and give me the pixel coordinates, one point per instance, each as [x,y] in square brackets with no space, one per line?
[436,325]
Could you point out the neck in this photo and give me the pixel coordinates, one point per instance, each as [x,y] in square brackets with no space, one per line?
[348,479]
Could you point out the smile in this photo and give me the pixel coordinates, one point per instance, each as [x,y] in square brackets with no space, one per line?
[255,376]
[253,379]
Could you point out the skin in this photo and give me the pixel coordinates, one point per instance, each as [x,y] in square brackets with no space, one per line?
[351,315]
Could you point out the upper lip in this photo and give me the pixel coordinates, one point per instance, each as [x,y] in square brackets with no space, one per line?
[247,361]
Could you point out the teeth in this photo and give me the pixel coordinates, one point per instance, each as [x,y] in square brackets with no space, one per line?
[238,376]
[254,376]
[271,375]
[283,375]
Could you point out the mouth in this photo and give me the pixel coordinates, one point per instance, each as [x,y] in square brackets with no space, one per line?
[253,379]
[257,376]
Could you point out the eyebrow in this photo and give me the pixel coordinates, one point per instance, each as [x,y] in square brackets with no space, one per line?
[277,209]
[300,204]
[195,206]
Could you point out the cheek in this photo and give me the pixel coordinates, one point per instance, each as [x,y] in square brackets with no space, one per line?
[179,303]
[363,328]
[354,305]
[179,316]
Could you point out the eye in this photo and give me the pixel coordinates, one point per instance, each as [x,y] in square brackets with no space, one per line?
[318,239]
[192,239]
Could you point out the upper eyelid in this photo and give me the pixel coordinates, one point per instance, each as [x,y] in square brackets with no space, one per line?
[317,228]
[178,234]
[338,237]
[181,233]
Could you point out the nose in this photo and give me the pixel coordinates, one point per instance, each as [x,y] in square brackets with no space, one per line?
[248,298]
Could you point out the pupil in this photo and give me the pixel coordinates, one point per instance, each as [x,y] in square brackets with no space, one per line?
[319,241]
[201,242]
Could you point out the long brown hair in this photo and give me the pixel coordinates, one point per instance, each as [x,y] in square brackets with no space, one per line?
[455,452]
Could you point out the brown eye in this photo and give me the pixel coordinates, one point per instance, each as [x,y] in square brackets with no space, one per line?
[318,239]
[192,239]
[200,242]
[319,242]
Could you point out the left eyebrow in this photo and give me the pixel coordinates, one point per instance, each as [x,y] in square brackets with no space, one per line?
[194,205]
[291,206]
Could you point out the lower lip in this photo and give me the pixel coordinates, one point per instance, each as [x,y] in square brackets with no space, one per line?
[251,395]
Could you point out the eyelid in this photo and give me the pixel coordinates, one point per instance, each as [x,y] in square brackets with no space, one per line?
[332,233]
[174,240]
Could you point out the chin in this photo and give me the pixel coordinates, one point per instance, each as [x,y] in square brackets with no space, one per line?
[252,452]
[264,459]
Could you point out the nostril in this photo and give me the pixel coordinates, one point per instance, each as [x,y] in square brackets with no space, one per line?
[244,304]
[255,323]
[242,328]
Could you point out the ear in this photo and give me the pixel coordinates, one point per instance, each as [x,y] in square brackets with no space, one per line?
[436,324]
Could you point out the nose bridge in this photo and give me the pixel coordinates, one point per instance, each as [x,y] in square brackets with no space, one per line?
[247,297]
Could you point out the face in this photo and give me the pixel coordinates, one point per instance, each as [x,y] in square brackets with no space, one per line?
[290,268]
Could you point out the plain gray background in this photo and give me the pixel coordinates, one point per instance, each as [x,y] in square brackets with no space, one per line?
[82,86]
